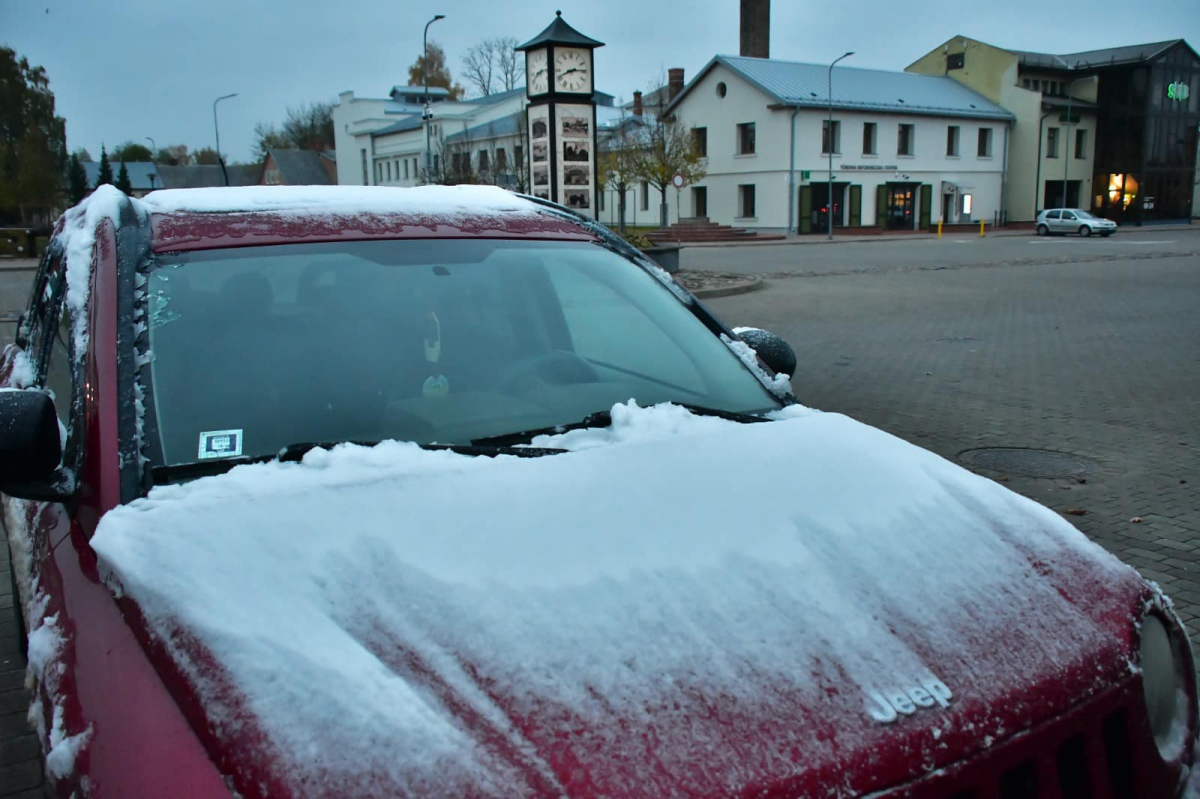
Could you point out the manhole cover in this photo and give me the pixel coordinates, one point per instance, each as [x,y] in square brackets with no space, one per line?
[1027,462]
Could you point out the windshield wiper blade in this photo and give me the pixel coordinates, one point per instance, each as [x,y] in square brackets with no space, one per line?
[294,453]
[597,419]
[733,416]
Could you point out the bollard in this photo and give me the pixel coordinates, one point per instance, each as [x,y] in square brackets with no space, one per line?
[939,228]
[981,228]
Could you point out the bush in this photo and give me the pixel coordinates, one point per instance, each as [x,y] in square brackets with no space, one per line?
[637,240]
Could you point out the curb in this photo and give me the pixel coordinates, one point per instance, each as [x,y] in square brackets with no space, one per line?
[741,287]
[799,241]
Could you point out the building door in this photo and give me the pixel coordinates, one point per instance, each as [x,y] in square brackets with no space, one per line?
[901,206]
[821,207]
[805,218]
[699,201]
[856,205]
[926,206]
[947,205]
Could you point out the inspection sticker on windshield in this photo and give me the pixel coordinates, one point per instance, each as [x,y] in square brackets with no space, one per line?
[220,444]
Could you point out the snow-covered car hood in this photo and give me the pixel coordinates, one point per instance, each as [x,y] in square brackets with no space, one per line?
[677,606]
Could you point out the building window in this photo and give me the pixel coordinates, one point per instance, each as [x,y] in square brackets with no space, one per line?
[387,169]
[483,161]
[378,172]
[416,172]
[868,138]
[746,201]
[700,141]
[985,143]
[599,197]
[406,169]
[831,137]
[952,140]
[1025,83]
[1052,143]
[645,196]
[966,206]
[904,142]
[1081,144]
[366,175]
[955,61]
[745,137]
[437,164]
[501,160]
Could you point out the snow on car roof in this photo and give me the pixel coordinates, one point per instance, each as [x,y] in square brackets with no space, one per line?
[660,561]
[419,200]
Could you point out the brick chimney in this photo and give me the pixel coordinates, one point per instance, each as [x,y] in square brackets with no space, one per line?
[756,28]
[637,104]
[674,83]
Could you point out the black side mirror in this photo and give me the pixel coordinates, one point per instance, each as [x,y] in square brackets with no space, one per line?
[773,350]
[30,448]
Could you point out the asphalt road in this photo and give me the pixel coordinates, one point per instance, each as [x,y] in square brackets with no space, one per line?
[1095,360]
[816,256]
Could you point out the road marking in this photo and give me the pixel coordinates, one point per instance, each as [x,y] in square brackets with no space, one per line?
[1137,241]
[1073,242]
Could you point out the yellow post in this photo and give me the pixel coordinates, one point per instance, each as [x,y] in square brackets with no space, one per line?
[981,228]
[939,228]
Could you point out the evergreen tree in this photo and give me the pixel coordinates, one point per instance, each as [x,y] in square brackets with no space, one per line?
[76,179]
[106,175]
[123,182]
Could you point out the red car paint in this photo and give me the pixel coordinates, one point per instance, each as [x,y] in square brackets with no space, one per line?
[149,736]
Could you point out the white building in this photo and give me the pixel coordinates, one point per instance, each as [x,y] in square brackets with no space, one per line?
[382,142]
[908,149]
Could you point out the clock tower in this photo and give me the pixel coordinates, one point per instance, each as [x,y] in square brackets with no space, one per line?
[560,85]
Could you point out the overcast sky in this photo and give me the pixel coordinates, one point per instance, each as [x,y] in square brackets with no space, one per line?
[137,68]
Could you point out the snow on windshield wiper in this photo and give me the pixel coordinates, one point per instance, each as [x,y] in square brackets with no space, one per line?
[604,419]
[597,419]
[294,453]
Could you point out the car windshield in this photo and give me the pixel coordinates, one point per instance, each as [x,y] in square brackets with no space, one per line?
[1082,214]
[432,341]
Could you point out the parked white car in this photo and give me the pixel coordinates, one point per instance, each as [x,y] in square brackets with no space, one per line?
[1073,220]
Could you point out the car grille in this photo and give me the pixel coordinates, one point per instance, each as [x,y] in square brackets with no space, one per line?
[1071,772]
[1101,750]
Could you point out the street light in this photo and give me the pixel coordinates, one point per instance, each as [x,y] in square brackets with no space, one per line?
[425,84]
[217,130]
[153,148]
[829,137]
[1067,141]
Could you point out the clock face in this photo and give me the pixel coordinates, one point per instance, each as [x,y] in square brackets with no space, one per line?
[573,70]
[537,75]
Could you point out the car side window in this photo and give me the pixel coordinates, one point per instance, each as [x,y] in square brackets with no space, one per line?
[1053,215]
[1068,215]
[49,348]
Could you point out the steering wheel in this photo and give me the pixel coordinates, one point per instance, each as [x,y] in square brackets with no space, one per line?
[553,367]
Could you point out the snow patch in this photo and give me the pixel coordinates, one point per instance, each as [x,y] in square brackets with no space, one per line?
[780,385]
[633,572]
[79,237]
[23,372]
[60,759]
[342,200]
[45,642]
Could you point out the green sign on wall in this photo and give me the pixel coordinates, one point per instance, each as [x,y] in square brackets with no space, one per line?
[1178,91]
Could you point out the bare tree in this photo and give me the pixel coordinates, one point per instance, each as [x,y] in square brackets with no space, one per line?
[478,65]
[493,65]
[618,160]
[510,70]
[670,150]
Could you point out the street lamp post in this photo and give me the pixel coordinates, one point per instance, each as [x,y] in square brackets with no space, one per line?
[1067,142]
[217,131]
[829,144]
[153,147]
[425,85]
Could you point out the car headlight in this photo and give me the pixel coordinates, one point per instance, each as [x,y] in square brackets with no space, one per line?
[1164,686]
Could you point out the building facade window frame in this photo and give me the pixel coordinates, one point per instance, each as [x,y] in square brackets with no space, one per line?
[1080,144]
[905,139]
[836,128]
[700,141]
[870,139]
[952,140]
[984,147]
[746,201]
[746,138]
[1052,142]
